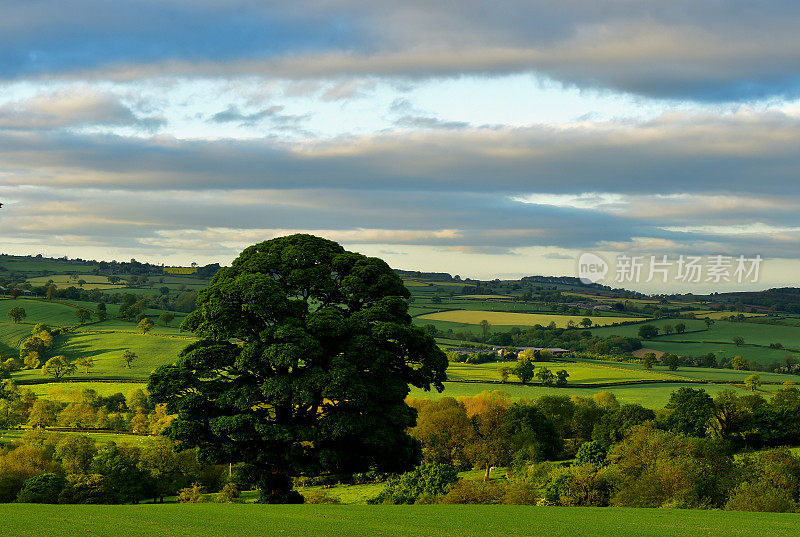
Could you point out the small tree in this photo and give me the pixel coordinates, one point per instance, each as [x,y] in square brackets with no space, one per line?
[524,370]
[58,367]
[708,322]
[145,325]
[648,360]
[561,378]
[128,356]
[672,361]
[17,313]
[647,331]
[102,313]
[680,328]
[586,322]
[752,382]
[83,315]
[739,363]
[545,376]
[86,362]
[667,329]
[504,372]
[166,318]
[738,341]
[485,327]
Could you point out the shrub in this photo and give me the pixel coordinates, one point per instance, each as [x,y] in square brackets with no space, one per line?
[429,479]
[44,488]
[88,489]
[468,491]
[320,496]
[193,494]
[760,496]
[591,453]
[229,494]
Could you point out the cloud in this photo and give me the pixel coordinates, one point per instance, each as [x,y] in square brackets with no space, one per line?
[423,122]
[75,107]
[744,153]
[710,51]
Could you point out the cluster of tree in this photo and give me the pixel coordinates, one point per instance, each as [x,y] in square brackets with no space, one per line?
[48,467]
[90,411]
[623,455]
[550,337]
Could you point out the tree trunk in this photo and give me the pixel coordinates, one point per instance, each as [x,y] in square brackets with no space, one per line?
[486,475]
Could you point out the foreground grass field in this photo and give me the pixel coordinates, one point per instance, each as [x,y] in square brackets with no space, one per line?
[212,520]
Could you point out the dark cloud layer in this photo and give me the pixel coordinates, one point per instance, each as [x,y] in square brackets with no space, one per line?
[713,51]
[746,153]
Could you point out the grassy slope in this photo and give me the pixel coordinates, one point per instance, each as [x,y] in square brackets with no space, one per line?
[407,521]
[40,311]
[106,349]
[721,350]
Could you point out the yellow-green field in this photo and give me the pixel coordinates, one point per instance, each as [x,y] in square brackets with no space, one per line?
[584,373]
[716,315]
[486,296]
[65,280]
[504,318]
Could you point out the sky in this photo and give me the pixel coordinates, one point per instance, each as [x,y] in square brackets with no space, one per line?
[485,139]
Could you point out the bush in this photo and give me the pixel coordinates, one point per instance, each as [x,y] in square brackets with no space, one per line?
[760,496]
[319,496]
[88,489]
[428,479]
[591,453]
[468,491]
[193,494]
[44,488]
[229,494]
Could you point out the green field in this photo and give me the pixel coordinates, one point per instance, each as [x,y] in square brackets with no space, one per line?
[106,350]
[70,391]
[9,436]
[503,318]
[632,330]
[653,396]
[211,520]
[762,355]
[759,334]
[63,281]
[578,372]
[40,311]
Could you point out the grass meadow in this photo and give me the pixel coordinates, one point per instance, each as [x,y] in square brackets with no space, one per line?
[244,520]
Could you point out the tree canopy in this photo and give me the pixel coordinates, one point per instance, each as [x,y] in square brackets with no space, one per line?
[304,358]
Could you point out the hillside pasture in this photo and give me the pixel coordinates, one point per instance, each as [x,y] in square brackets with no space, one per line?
[757,333]
[250,520]
[39,311]
[750,353]
[106,350]
[502,318]
[632,330]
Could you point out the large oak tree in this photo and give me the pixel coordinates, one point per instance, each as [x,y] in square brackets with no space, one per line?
[303,363]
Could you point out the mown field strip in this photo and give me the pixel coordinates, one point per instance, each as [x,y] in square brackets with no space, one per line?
[214,520]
